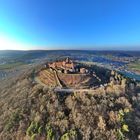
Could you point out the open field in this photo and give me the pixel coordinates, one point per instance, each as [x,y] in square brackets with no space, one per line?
[135,66]
[10,66]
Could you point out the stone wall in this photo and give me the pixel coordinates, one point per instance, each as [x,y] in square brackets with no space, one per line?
[77,80]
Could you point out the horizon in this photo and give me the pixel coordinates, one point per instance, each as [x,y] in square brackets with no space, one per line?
[131,50]
[80,25]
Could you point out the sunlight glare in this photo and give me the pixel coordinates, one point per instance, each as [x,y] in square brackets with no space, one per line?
[10,44]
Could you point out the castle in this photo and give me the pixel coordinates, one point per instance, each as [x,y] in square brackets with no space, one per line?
[67,66]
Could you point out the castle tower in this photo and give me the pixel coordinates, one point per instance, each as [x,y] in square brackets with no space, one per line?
[67,60]
[63,63]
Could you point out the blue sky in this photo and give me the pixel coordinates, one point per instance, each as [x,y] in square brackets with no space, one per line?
[70,24]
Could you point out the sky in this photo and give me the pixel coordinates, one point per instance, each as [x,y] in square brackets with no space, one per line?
[70,24]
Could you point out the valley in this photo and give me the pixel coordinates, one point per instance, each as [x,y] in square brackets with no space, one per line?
[124,62]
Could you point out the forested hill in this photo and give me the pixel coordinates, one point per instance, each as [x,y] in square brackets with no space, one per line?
[30,111]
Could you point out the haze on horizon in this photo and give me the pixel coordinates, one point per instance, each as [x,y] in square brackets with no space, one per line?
[75,24]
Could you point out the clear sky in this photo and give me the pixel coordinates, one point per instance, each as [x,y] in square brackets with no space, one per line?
[70,24]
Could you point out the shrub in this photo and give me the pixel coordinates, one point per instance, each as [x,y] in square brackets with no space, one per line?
[33,136]
[34,128]
[50,133]
[124,127]
[68,135]
[13,121]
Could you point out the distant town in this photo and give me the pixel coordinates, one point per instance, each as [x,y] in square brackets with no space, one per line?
[126,62]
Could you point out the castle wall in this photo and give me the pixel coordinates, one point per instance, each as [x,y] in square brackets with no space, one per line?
[76,80]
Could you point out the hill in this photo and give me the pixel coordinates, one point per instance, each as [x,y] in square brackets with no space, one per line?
[30,111]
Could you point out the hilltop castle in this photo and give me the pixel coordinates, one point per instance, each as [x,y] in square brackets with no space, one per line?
[67,66]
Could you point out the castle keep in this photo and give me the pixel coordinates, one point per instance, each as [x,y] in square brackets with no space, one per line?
[67,66]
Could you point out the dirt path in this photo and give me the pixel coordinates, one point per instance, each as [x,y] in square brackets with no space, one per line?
[57,79]
[73,90]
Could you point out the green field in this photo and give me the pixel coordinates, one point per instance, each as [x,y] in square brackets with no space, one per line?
[11,65]
[135,66]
